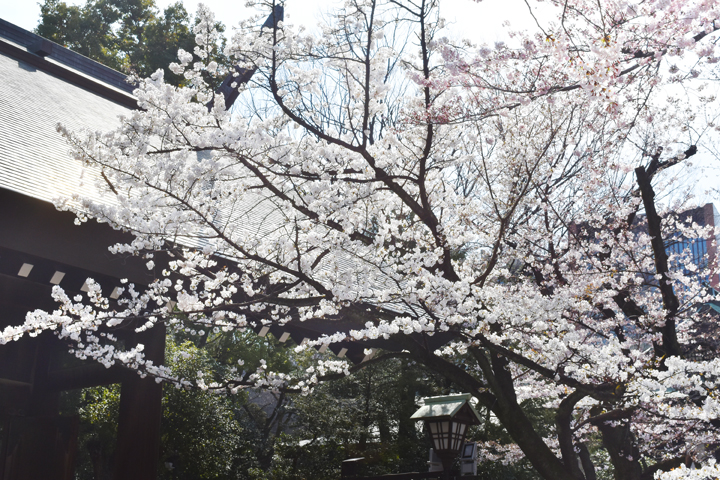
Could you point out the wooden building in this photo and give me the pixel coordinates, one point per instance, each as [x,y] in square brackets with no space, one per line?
[42,84]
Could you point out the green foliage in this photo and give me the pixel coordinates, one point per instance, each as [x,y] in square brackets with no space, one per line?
[294,461]
[131,36]
[199,428]
[282,436]
[86,30]
[204,435]
[228,348]
[364,415]
[98,410]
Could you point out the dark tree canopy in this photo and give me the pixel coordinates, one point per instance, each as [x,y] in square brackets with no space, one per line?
[128,35]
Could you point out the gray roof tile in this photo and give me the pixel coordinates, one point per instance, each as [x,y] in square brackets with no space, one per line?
[34,157]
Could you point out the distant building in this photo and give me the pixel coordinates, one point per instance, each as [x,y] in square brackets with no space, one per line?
[702,251]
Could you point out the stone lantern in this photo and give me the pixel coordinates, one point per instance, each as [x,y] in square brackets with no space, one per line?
[446,420]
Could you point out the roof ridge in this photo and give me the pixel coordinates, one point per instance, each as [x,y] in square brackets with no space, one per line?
[43,47]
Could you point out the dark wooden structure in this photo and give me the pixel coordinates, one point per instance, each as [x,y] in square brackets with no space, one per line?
[42,84]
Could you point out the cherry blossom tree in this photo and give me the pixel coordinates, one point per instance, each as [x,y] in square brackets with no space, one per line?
[487,211]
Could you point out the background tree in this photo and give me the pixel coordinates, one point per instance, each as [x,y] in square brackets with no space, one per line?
[131,36]
[202,436]
[489,213]
[258,434]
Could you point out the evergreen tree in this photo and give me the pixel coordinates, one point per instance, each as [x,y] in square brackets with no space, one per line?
[131,36]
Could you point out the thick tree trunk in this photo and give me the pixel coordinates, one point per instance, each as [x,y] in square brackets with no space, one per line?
[502,402]
[618,440]
[517,424]
[563,420]
[586,461]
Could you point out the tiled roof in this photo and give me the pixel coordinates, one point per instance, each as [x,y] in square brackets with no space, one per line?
[34,157]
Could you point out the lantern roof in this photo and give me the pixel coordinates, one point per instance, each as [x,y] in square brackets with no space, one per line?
[448,406]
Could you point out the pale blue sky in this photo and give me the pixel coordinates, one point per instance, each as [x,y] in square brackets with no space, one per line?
[471,19]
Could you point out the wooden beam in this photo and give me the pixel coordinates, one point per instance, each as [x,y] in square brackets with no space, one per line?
[84,376]
[75,78]
[33,227]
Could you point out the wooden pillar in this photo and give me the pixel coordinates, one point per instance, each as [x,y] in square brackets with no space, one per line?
[44,402]
[37,443]
[138,438]
[39,448]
